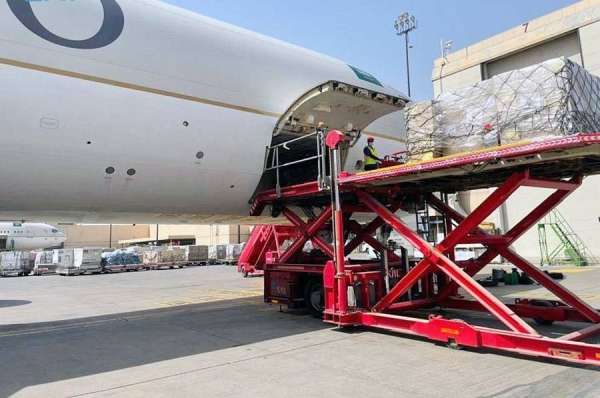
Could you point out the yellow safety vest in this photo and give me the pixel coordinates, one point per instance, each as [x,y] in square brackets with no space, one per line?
[369,160]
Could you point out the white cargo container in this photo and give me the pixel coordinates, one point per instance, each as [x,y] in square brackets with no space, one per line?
[233,253]
[44,263]
[15,263]
[78,261]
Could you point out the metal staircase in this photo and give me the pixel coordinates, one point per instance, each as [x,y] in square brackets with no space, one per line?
[571,250]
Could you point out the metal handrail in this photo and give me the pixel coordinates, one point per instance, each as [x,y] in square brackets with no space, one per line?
[320,157]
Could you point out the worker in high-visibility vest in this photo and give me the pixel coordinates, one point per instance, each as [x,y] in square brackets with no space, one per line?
[372,159]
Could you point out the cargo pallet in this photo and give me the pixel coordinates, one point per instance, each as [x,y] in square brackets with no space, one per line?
[74,271]
[44,270]
[178,264]
[398,297]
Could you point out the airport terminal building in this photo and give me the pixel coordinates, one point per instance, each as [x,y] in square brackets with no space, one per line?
[572,32]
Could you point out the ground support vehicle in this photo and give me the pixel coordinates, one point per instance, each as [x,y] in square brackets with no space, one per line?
[363,295]
[264,240]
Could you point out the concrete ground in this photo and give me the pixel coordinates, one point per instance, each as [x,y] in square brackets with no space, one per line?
[204,331]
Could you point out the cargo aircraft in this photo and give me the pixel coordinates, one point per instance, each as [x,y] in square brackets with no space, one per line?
[139,111]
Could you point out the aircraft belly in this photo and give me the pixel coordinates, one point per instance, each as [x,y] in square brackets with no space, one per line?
[169,155]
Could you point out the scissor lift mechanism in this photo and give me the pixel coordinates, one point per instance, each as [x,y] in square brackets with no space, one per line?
[558,165]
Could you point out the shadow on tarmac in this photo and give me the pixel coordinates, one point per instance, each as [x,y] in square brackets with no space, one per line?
[13,303]
[36,354]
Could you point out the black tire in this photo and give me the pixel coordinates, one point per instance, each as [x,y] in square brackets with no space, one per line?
[543,303]
[244,272]
[314,297]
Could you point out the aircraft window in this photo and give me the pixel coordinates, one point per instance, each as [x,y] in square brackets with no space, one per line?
[54,231]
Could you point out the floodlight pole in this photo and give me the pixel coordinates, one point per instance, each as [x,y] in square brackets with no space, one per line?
[407,65]
[404,24]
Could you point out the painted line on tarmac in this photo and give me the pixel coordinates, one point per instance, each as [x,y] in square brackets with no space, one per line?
[211,296]
[120,319]
[573,270]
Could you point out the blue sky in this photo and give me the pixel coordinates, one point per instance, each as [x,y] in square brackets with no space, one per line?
[362,33]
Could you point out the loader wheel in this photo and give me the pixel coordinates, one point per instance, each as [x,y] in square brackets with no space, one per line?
[314,296]
[244,272]
[543,303]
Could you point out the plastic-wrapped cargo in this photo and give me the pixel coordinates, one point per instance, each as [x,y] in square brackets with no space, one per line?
[178,255]
[44,263]
[212,253]
[233,252]
[121,257]
[197,253]
[554,98]
[421,122]
[15,263]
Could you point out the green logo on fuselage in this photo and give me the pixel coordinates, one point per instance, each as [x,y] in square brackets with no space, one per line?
[366,76]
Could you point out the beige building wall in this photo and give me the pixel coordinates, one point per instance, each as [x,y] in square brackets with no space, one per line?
[200,234]
[203,234]
[573,32]
[457,80]
[100,235]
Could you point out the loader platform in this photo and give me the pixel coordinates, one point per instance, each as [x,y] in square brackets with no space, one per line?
[388,296]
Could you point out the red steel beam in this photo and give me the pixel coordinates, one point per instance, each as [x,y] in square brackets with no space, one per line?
[485,240]
[369,229]
[549,183]
[472,221]
[463,334]
[582,334]
[432,255]
[309,231]
[355,227]
[555,288]
[515,233]
[542,210]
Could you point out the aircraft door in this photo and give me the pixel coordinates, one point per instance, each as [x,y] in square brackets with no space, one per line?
[30,231]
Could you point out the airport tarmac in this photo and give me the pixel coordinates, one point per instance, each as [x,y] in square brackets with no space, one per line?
[205,332]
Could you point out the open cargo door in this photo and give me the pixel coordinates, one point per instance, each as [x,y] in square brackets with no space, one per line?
[296,154]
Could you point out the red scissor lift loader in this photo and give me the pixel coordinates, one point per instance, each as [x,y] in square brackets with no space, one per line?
[408,299]
[265,244]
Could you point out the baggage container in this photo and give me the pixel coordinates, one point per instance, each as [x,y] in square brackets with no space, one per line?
[44,263]
[222,252]
[83,260]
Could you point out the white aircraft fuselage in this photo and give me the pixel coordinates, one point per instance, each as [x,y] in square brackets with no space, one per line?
[29,236]
[138,111]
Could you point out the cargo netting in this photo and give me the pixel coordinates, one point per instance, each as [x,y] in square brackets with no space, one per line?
[555,98]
